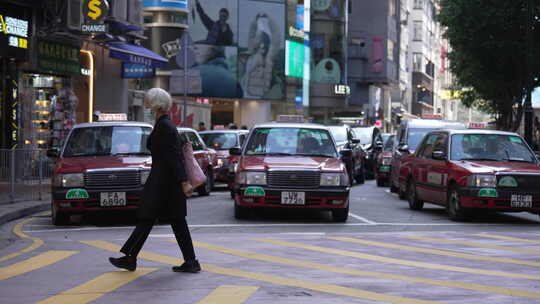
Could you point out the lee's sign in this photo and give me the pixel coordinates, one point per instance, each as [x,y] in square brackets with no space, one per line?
[342,89]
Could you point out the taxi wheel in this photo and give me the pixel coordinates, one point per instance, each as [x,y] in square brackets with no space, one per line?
[414,202]
[58,218]
[360,177]
[453,207]
[240,212]
[340,215]
[205,189]
[401,194]
[380,182]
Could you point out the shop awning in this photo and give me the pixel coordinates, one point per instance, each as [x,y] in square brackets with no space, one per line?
[132,53]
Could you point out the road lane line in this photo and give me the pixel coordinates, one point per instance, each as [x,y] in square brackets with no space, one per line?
[229,294]
[273,279]
[17,230]
[363,219]
[382,259]
[33,263]
[96,288]
[506,238]
[472,244]
[436,251]
[300,263]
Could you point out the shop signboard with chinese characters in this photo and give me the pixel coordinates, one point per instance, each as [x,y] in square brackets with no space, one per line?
[14,34]
[94,13]
[56,57]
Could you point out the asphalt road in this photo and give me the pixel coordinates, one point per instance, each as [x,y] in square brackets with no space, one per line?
[384,253]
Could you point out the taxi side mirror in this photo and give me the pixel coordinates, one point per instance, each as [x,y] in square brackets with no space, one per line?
[355,141]
[439,155]
[403,149]
[345,153]
[53,153]
[235,151]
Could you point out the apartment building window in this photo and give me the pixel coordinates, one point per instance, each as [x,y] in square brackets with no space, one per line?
[418,4]
[418,31]
[417,62]
[390,54]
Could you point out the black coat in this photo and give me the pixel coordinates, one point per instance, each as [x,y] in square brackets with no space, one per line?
[162,195]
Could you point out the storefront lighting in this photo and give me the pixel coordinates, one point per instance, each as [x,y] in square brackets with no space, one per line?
[90,84]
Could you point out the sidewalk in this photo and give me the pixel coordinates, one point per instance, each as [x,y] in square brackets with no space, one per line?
[13,211]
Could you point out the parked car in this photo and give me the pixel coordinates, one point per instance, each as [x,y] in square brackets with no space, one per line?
[345,139]
[222,141]
[207,158]
[101,167]
[372,143]
[384,162]
[291,165]
[466,170]
[409,134]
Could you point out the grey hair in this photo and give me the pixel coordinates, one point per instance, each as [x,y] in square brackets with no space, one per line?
[159,100]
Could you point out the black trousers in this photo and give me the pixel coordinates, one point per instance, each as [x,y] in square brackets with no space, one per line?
[137,238]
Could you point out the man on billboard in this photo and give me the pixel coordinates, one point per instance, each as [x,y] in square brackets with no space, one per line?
[219,32]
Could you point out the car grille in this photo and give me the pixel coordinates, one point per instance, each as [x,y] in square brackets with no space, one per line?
[525,182]
[112,179]
[294,179]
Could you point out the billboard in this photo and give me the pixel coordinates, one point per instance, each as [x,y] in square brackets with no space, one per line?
[261,55]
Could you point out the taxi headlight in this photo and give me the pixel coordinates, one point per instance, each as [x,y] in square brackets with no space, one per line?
[482,181]
[72,180]
[332,179]
[252,178]
[386,161]
[144,176]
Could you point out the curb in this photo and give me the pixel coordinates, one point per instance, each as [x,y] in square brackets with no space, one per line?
[22,212]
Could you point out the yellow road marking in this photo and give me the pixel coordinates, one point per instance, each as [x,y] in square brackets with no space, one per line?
[437,252]
[229,294]
[33,263]
[506,238]
[96,288]
[472,244]
[17,230]
[299,263]
[320,287]
[382,259]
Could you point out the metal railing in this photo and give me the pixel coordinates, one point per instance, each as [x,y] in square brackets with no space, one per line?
[24,175]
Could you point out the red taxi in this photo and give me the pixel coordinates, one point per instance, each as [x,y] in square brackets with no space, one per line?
[222,141]
[384,162]
[467,170]
[102,166]
[291,165]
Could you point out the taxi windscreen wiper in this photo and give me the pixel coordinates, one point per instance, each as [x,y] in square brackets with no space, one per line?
[131,153]
[314,155]
[87,154]
[518,160]
[481,158]
[277,154]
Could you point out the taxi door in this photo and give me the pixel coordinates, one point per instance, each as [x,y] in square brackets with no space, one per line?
[422,169]
[435,170]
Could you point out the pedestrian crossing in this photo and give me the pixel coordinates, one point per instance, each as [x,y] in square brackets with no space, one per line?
[382,268]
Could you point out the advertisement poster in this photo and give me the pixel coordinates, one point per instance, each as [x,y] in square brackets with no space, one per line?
[261,52]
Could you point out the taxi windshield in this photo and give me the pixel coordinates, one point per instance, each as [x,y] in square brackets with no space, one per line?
[339,133]
[415,136]
[291,141]
[220,141]
[496,147]
[364,134]
[389,144]
[107,140]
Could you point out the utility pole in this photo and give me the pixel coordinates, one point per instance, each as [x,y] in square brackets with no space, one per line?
[527,107]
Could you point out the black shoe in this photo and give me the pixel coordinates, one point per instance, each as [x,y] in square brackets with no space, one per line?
[126,262]
[188,266]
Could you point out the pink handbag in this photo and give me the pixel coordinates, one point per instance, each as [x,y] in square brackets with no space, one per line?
[194,172]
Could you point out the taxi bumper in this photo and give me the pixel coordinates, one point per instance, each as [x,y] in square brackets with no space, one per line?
[92,203]
[472,198]
[327,198]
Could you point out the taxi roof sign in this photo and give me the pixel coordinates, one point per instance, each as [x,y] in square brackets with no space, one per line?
[113,117]
[432,116]
[477,125]
[290,118]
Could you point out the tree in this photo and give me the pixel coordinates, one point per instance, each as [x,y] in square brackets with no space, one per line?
[489,54]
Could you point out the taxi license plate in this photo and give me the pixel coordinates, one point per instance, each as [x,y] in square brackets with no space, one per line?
[112,199]
[521,201]
[293,198]
[384,169]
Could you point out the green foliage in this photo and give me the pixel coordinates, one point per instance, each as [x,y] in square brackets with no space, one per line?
[489,53]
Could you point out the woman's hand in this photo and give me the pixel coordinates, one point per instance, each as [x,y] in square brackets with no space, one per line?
[187,189]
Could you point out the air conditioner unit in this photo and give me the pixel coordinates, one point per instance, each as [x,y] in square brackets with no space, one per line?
[74,15]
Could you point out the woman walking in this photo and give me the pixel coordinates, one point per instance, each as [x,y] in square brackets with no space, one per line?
[164,194]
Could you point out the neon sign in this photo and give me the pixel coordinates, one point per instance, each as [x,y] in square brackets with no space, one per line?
[16,30]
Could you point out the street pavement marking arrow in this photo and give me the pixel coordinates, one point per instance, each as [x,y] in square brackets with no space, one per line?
[382,259]
[229,294]
[17,230]
[492,289]
[436,251]
[96,288]
[315,286]
[33,263]
[506,238]
[472,244]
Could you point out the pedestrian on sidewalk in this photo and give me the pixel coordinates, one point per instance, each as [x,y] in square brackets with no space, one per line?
[165,191]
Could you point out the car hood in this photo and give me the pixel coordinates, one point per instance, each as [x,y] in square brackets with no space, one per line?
[498,166]
[260,163]
[79,164]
